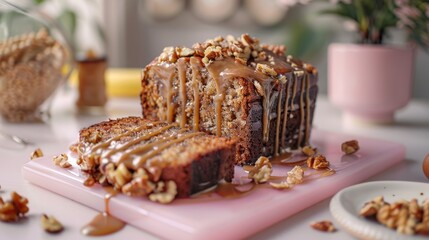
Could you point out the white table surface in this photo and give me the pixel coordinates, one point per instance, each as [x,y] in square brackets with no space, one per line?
[53,137]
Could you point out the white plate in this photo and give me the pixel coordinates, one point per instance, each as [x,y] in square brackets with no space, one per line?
[345,206]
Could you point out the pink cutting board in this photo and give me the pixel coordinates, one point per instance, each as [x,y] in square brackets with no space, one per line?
[219,218]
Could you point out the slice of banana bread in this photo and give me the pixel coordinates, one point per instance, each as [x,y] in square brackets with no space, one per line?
[144,158]
[234,87]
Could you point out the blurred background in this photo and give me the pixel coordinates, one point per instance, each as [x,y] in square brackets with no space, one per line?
[133,32]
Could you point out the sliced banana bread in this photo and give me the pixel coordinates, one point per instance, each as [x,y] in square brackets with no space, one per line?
[145,158]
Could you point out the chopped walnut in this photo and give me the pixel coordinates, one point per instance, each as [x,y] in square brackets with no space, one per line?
[168,55]
[184,52]
[61,160]
[295,176]
[36,154]
[74,148]
[261,173]
[406,217]
[265,69]
[14,209]
[164,192]
[423,226]
[140,185]
[212,53]
[317,162]
[94,137]
[90,181]
[119,176]
[396,216]
[324,226]
[350,147]
[371,208]
[309,151]
[50,224]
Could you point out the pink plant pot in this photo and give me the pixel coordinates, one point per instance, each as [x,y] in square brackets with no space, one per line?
[370,83]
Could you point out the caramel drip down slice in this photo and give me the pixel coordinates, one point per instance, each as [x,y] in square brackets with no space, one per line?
[285,113]
[295,88]
[279,112]
[196,78]
[266,106]
[307,105]
[181,68]
[138,163]
[301,109]
[170,103]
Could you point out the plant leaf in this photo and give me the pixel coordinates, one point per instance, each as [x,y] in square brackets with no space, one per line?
[38,2]
[68,20]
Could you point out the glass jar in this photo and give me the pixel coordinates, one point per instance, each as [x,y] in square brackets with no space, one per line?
[35,59]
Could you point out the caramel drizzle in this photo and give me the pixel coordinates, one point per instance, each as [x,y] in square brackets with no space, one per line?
[307,104]
[279,112]
[142,160]
[266,105]
[181,68]
[286,114]
[295,87]
[170,104]
[117,137]
[218,98]
[301,108]
[221,70]
[195,85]
[321,173]
[145,148]
[139,139]
[145,151]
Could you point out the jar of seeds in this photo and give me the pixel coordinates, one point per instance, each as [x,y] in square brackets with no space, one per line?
[34,61]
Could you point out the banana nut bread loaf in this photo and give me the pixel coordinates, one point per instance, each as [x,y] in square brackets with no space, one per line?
[144,158]
[234,87]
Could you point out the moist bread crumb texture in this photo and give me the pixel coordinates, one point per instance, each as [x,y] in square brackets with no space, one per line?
[140,157]
[234,87]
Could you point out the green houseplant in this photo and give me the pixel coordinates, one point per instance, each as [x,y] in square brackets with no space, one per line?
[370,80]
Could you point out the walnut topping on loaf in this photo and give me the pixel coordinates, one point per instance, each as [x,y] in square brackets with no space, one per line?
[234,87]
[157,160]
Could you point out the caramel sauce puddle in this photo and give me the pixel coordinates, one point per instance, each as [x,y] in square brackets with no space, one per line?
[103,223]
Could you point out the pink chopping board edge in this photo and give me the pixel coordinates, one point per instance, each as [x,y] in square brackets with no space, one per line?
[220,218]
